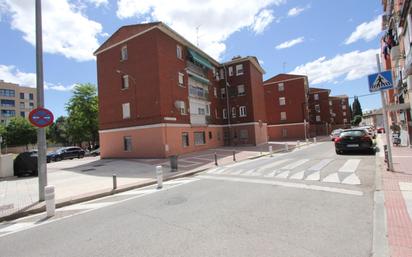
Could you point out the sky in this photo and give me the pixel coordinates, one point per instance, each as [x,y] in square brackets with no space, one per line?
[334,42]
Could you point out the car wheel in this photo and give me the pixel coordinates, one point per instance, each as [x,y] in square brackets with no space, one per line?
[372,151]
[338,152]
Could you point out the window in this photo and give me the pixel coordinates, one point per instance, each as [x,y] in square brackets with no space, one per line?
[123,56]
[343,107]
[7,103]
[223,92]
[8,113]
[239,69]
[216,116]
[284,132]
[179,52]
[125,82]
[241,90]
[317,118]
[330,103]
[316,96]
[21,95]
[127,144]
[200,138]
[230,71]
[244,134]
[282,101]
[283,116]
[185,139]
[126,110]
[233,112]
[242,111]
[31,96]
[317,108]
[22,105]
[181,106]
[22,114]
[222,74]
[210,135]
[215,92]
[181,79]
[345,121]
[31,105]
[7,92]
[281,87]
[224,114]
[201,111]
[344,113]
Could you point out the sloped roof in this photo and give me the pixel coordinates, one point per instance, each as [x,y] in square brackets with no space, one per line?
[282,77]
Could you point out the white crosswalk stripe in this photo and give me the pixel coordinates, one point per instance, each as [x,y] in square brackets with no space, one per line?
[320,165]
[298,175]
[294,164]
[350,165]
[283,174]
[352,179]
[272,174]
[332,178]
[315,176]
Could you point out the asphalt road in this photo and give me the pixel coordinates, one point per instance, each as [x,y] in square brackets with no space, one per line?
[310,202]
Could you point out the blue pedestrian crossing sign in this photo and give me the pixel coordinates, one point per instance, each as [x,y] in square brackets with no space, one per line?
[380,81]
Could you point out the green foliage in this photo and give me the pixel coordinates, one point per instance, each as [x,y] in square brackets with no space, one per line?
[57,132]
[19,131]
[82,120]
[356,107]
[356,120]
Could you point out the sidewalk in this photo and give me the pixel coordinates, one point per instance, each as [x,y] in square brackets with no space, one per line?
[85,179]
[397,188]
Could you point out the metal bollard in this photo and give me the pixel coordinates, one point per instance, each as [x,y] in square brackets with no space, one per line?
[159,177]
[314,140]
[215,159]
[307,140]
[286,147]
[114,181]
[271,151]
[49,196]
[234,156]
[298,144]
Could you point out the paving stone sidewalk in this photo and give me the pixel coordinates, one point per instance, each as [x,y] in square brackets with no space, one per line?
[397,188]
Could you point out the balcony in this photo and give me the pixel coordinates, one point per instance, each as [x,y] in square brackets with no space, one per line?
[198,119]
[408,64]
[198,92]
[195,69]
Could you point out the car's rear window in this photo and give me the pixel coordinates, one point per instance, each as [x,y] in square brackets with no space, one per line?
[353,133]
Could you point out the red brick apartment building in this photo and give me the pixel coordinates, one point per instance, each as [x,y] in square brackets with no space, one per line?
[159,95]
[340,115]
[286,99]
[319,111]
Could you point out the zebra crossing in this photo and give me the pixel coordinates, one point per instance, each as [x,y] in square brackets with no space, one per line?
[338,171]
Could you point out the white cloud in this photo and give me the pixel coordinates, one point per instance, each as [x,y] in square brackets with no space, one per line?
[216,19]
[98,3]
[10,73]
[262,20]
[366,31]
[66,30]
[352,65]
[295,11]
[290,43]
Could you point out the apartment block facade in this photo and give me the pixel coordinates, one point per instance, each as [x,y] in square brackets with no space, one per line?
[16,101]
[340,114]
[286,100]
[159,95]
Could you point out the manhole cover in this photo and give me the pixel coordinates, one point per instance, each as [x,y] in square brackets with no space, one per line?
[176,200]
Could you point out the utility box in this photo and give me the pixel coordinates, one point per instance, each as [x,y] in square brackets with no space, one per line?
[6,165]
[173,162]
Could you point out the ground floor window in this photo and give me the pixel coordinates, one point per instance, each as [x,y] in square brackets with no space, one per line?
[284,132]
[244,134]
[210,134]
[127,144]
[185,139]
[200,138]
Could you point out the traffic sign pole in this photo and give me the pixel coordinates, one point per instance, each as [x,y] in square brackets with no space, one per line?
[41,132]
[385,121]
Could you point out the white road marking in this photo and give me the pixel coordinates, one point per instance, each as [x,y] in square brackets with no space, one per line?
[248,172]
[294,164]
[236,172]
[284,174]
[352,179]
[350,165]
[332,178]
[320,165]
[286,184]
[272,164]
[314,176]
[14,227]
[298,175]
[213,170]
[86,206]
[405,186]
[271,174]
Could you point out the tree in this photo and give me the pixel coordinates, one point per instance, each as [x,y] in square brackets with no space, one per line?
[356,120]
[57,132]
[19,131]
[82,120]
[356,107]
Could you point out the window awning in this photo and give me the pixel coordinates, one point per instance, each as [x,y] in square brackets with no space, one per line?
[198,78]
[200,59]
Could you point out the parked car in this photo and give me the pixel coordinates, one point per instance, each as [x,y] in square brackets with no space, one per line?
[335,134]
[95,152]
[380,130]
[370,130]
[25,164]
[354,140]
[66,153]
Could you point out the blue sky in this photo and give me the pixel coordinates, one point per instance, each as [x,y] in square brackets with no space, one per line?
[333,42]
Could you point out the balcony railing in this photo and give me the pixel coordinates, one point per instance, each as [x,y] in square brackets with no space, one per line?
[196,69]
[198,93]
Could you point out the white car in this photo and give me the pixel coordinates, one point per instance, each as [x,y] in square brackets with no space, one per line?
[335,134]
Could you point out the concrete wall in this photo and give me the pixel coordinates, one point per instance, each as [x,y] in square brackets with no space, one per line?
[293,131]
[6,165]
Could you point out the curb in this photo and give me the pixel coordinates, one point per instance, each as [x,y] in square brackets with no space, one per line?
[380,245]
